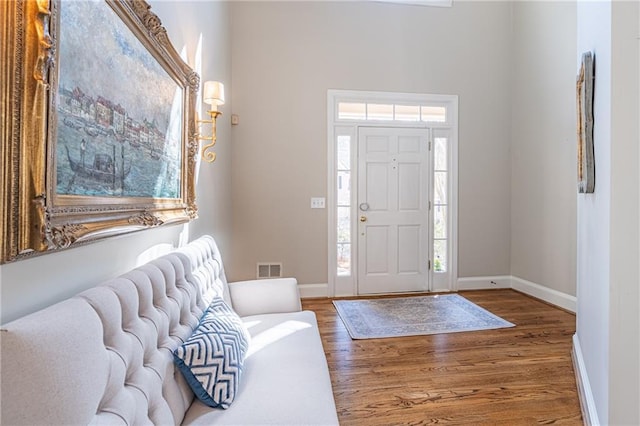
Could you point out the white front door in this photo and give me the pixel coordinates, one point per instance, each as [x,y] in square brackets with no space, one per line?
[393,210]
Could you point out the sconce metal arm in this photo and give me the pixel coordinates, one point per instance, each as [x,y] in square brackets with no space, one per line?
[209,156]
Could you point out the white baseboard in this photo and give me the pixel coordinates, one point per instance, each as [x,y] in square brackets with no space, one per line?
[538,291]
[313,290]
[587,403]
[547,294]
[484,283]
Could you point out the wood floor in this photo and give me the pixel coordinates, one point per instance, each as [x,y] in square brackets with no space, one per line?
[512,376]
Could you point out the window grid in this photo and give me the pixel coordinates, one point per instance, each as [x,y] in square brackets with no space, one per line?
[440,206]
[391,112]
[343,190]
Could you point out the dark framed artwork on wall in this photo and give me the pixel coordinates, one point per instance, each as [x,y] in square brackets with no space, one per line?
[584,107]
[99,131]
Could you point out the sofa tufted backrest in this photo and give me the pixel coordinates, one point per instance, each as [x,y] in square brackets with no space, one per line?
[207,269]
[105,356]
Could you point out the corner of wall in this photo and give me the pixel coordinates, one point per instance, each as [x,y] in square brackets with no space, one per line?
[546,294]
[557,298]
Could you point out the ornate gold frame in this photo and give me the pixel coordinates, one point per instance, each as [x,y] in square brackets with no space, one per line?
[34,219]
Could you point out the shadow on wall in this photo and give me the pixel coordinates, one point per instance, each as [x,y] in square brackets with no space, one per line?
[161,249]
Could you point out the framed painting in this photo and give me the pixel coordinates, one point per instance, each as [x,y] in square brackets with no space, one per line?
[99,131]
[584,108]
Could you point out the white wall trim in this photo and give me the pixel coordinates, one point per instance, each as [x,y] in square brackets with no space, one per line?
[587,402]
[313,290]
[555,297]
[484,283]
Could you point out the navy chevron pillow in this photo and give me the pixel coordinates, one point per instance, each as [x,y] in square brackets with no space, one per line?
[211,359]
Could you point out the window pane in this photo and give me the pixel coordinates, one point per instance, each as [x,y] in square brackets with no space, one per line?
[350,111]
[407,112]
[440,222]
[344,152]
[379,112]
[344,188]
[344,259]
[440,153]
[435,114]
[440,188]
[344,224]
[440,255]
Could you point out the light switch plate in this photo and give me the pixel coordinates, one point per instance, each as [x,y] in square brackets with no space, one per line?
[317,202]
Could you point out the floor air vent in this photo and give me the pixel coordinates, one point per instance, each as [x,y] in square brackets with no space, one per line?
[269,270]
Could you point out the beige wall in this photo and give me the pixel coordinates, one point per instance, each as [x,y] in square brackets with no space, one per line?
[186,22]
[543,145]
[32,284]
[285,55]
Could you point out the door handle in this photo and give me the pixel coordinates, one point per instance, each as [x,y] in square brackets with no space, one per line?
[363,218]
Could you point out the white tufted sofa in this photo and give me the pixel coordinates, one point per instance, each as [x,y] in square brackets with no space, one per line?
[105,355]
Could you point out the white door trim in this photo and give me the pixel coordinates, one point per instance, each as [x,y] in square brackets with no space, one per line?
[347,285]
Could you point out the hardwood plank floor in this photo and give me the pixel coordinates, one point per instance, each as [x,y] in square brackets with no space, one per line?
[512,376]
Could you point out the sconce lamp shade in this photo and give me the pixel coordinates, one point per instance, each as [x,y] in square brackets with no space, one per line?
[213,93]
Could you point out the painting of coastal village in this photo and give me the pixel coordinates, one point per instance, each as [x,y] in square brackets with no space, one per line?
[119,114]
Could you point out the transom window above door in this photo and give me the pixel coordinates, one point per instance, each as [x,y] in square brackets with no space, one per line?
[391,112]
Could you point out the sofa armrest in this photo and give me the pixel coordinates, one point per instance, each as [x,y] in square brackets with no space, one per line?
[271,296]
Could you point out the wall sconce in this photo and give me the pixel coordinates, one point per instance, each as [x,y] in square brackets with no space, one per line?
[214,96]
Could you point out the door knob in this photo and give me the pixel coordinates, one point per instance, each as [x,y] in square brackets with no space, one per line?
[363,218]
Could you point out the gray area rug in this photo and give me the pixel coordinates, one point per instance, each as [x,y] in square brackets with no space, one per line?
[413,316]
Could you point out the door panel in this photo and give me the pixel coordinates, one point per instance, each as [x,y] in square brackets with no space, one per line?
[410,145]
[409,186]
[409,249]
[377,144]
[393,189]
[377,184]
[377,259]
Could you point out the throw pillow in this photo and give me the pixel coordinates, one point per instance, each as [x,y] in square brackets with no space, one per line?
[211,359]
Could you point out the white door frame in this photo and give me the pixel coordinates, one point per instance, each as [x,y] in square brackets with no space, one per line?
[346,285]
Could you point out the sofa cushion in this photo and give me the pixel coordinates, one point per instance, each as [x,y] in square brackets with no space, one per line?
[285,379]
[211,359]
